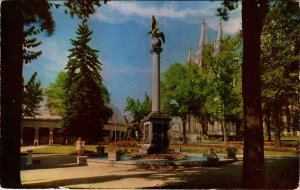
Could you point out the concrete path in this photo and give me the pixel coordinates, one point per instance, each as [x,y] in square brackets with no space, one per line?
[108,177]
[64,174]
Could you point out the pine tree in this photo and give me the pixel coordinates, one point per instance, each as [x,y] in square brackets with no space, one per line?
[86,111]
[32,96]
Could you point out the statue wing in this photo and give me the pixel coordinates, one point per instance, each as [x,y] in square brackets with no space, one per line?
[162,36]
[154,26]
[154,23]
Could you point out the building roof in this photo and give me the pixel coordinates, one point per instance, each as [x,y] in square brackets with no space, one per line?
[44,114]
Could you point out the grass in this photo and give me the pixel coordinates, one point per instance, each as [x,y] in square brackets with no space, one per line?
[283,138]
[61,149]
[70,149]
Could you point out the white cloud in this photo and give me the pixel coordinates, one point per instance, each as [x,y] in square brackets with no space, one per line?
[56,52]
[136,9]
[120,12]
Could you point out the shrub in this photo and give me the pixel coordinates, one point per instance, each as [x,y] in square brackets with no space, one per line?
[125,144]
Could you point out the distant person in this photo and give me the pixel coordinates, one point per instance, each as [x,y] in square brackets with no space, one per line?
[79,146]
[212,156]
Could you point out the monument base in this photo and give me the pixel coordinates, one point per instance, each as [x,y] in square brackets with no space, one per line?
[155,134]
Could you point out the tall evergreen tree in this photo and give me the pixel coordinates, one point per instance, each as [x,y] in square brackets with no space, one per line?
[32,96]
[86,111]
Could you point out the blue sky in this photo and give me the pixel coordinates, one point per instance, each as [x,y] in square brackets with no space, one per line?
[119,33]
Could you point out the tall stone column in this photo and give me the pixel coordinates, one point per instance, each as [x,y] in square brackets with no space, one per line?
[156,50]
[155,125]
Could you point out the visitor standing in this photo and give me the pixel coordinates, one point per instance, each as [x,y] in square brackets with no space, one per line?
[78,145]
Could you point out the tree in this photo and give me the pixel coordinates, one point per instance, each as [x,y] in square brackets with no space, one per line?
[12,35]
[137,108]
[178,93]
[280,47]
[32,96]
[11,80]
[223,99]
[253,14]
[85,108]
[138,111]
[55,93]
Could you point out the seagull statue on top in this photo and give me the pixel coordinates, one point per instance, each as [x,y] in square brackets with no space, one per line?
[155,31]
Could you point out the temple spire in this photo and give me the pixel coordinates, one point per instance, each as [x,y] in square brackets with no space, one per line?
[189,58]
[218,42]
[200,48]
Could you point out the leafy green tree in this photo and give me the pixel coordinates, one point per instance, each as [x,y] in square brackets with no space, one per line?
[137,108]
[223,101]
[85,111]
[32,96]
[280,62]
[138,111]
[178,93]
[55,93]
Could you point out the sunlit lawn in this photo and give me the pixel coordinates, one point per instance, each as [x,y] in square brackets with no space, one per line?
[293,138]
[70,149]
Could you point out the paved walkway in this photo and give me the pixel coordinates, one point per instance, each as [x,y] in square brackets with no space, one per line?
[64,172]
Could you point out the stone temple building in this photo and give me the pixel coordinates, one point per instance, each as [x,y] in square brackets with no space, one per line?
[193,127]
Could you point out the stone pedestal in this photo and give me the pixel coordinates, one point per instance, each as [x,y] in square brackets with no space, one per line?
[114,156]
[29,158]
[155,134]
[81,160]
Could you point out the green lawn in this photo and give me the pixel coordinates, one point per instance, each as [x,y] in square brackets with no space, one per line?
[70,149]
[61,149]
[293,138]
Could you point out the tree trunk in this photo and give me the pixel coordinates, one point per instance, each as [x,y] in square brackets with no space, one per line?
[203,128]
[184,130]
[277,127]
[268,125]
[11,91]
[224,131]
[253,158]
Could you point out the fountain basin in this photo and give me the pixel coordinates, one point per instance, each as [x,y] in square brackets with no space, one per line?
[192,161]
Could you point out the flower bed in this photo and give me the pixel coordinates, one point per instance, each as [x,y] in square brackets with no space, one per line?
[125,144]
